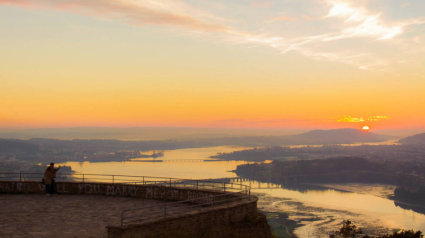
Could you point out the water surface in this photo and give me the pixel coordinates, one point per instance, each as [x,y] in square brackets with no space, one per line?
[183,163]
[316,209]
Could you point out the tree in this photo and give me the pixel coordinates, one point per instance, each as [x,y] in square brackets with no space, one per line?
[405,234]
[349,230]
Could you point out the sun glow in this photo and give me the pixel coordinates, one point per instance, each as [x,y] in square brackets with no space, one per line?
[365,128]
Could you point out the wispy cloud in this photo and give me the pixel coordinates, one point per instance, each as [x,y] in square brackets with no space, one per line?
[307,17]
[347,21]
[378,118]
[419,39]
[146,12]
[355,23]
[281,18]
[360,23]
[361,119]
[262,3]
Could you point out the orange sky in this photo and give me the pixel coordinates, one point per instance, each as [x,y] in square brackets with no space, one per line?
[62,67]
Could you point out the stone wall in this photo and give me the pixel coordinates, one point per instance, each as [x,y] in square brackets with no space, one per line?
[222,221]
[138,191]
[237,221]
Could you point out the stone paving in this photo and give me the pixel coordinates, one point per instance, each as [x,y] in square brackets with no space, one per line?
[35,215]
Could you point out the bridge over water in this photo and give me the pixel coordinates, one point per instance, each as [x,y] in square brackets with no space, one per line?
[275,182]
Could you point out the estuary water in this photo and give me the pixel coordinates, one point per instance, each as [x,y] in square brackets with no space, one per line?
[293,210]
[183,163]
[318,210]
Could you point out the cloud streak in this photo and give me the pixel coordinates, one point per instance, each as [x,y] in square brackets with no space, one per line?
[281,18]
[348,23]
[362,24]
[355,23]
[359,23]
[140,13]
[361,119]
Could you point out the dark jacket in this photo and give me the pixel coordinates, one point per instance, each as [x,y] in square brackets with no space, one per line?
[49,175]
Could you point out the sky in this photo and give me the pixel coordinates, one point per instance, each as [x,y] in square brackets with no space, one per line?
[215,64]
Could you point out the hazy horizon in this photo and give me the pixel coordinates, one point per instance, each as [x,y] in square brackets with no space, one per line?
[163,133]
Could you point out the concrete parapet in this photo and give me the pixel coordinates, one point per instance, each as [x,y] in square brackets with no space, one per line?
[156,192]
[219,219]
[237,221]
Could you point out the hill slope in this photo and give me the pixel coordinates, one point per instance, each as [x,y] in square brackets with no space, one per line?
[415,139]
[340,136]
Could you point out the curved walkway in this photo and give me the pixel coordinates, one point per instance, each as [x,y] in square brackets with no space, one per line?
[35,215]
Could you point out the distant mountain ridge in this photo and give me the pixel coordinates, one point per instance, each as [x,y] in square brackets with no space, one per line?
[315,137]
[342,136]
[415,139]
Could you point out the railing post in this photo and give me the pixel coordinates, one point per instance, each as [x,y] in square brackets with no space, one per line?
[249,197]
[20,177]
[197,185]
[224,187]
[83,178]
[170,182]
[143,180]
[113,178]
[228,203]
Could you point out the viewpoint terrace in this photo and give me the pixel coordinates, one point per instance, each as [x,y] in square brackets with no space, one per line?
[128,207]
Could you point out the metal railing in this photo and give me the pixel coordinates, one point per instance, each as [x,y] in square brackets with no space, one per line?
[229,192]
[127,179]
[173,209]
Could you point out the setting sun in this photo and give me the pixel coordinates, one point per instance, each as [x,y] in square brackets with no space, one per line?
[365,128]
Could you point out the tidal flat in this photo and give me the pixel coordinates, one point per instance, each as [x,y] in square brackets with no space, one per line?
[317,213]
